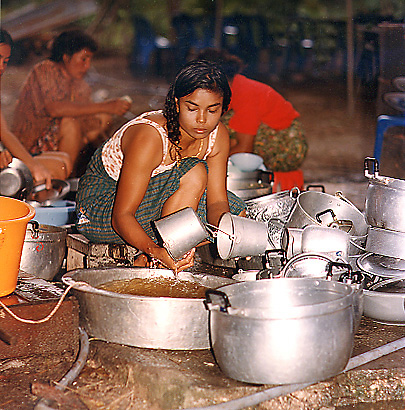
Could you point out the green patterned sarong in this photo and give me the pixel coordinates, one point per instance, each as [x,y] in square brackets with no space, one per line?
[96,195]
[281,150]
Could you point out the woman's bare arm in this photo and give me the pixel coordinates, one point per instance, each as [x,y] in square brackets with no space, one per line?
[217,198]
[39,172]
[65,108]
[244,143]
[143,151]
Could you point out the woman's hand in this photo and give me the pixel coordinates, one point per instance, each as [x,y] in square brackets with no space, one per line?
[118,106]
[5,158]
[40,174]
[162,258]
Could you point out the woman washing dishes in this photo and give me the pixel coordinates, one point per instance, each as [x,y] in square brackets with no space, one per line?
[54,110]
[159,163]
[43,167]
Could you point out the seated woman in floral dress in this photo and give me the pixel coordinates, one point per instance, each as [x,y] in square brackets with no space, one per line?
[55,111]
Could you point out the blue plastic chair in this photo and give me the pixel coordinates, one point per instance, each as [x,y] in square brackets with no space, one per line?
[383,123]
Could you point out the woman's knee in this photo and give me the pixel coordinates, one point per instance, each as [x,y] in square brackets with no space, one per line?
[195,179]
[70,125]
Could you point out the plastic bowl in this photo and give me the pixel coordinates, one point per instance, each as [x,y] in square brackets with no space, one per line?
[246,161]
[58,214]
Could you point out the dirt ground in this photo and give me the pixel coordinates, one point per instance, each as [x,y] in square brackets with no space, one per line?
[338,144]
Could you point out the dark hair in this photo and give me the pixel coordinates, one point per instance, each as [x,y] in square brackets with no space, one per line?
[71,42]
[229,63]
[194,75]
[6,38]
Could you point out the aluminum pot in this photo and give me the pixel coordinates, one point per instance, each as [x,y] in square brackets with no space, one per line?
[44,250]
[149,322]
[386,242]
[281,331]
[239,237]
[319,208]
[385,199]
[322,267]
[325,240]
[381,267]
[268,207]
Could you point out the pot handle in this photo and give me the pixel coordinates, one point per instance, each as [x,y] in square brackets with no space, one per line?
[375,168]
[321,187]
[326,211]
[281,252]
[349,277]
[224,303]
[294,192]
[35,229]
[270,174]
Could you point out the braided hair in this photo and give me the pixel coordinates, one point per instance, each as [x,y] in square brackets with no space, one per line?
[194,75]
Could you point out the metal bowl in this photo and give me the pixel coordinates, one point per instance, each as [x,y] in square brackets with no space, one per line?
[16,180]
[40,196]
[142,321]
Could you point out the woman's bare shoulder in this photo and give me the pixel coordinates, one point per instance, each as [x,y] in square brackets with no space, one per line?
[157,117]
[143,134]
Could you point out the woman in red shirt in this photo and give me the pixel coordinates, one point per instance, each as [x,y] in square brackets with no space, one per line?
[259,119]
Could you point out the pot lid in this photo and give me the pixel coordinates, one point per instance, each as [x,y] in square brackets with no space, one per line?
[380,265]
[311,265]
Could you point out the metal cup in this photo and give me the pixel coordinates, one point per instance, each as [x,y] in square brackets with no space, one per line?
[240,237]
[332,242]
[180,232]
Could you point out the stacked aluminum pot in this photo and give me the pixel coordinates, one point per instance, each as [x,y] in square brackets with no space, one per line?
[385,261]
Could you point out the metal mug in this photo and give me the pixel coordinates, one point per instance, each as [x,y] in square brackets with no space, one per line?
[180,232]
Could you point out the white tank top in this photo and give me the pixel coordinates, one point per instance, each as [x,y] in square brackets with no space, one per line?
[112,155]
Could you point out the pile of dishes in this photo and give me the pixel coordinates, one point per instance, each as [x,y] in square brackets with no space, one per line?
[384,262]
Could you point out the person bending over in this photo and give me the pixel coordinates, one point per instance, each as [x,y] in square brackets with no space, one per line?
[259,119]
[159,163]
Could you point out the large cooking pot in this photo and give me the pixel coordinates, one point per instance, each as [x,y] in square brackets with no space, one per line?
[385,199]
[16,180]
[281,331]
[319,208]
[311,265]
[44,250]
[249,184]
[142,321]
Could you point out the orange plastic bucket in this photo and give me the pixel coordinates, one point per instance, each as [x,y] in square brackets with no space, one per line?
[14,217]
